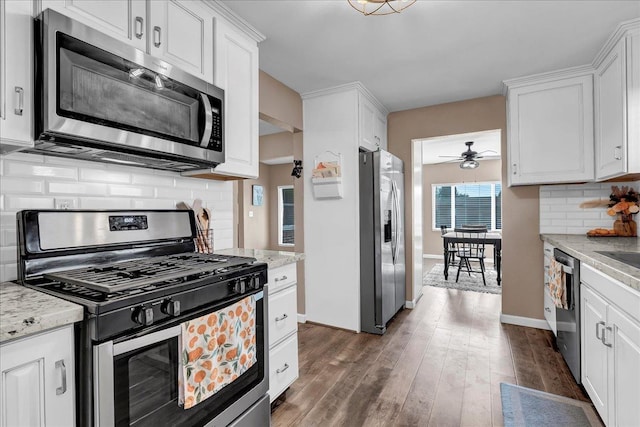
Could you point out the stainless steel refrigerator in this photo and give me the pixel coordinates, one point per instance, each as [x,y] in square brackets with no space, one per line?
[382,266]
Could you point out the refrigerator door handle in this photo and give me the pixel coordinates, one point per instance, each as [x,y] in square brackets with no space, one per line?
[394,239]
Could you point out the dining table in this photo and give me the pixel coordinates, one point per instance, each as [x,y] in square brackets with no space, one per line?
[490,238]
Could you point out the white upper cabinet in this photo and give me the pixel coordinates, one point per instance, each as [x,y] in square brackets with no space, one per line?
[617,104]
[177,31]
[16,75]
[237,73]
[372,126]
[550,128]
[181,32]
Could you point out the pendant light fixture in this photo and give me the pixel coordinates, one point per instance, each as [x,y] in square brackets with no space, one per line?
[380,7]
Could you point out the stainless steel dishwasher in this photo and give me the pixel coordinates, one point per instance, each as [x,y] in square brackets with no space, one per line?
[568,320]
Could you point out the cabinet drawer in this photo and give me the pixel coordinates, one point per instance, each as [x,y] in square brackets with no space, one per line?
[281,277]
[283,366]
[283,313]
[550,311]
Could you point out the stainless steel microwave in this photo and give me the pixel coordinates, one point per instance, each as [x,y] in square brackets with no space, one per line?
[100,99]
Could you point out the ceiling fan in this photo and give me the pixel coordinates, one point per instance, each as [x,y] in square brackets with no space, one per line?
[468,157]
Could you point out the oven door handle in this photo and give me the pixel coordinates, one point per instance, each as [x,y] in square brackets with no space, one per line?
[145,340]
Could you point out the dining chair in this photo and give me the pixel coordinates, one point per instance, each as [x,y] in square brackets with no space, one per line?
[470,249]
[480,227]
[452,247]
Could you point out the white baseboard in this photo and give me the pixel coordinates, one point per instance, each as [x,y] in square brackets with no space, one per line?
[432,256]
[302,318]
[524,321]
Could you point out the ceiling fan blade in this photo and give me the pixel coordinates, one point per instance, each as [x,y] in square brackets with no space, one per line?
[457,157]
[488,151]
[447,161]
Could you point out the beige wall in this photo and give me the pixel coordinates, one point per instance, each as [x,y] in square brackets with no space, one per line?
[254,234]
[521,247]
[276,145]
[450,173]
[278,175]
[279,104]
[282,106]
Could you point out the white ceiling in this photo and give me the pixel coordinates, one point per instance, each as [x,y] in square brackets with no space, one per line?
[433,52]
[453,145]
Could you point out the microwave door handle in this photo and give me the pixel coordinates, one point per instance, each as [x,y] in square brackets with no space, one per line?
[208,120]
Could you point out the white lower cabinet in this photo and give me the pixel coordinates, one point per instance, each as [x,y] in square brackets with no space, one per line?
[37,384]
[283,329]
[610,347]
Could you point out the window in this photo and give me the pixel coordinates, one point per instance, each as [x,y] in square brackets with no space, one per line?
[285,216]
[458,204]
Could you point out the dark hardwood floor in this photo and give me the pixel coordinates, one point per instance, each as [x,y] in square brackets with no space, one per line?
[440,364]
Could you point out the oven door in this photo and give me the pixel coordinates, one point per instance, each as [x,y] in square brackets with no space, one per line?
[136,380]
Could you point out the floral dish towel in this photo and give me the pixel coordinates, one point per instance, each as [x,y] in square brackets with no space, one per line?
[558,284]
[215,349]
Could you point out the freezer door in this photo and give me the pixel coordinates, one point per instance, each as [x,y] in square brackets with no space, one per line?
[385,308]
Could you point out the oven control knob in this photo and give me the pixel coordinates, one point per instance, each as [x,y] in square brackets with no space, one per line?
[170,307]
[255,281]
[240,286]
[143,316]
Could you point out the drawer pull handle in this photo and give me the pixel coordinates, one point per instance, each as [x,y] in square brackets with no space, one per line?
[284,368]
[63,372]
[284,316]
[139,27]
[281,278]
[598,330]
[604,336]
[19,102]
[617,153]
[547,309]
[157,36]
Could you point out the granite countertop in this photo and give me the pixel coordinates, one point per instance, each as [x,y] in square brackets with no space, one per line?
[273,259]
[584,248]
[24,311]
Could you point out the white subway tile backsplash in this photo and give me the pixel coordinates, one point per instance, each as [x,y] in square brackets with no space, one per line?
[31,181]
[13,168]
[77,188]
[123,190]
[560,210]
[22,186]
[16,203]
[111,177]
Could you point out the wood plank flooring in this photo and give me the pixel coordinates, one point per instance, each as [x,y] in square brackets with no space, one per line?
[440,364]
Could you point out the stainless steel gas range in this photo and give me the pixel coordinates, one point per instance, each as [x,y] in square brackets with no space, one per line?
[139,279]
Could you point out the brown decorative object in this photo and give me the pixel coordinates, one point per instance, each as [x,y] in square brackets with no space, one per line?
[624,204]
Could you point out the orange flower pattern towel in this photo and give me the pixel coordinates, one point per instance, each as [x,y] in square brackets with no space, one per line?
[557,284]
[215,350]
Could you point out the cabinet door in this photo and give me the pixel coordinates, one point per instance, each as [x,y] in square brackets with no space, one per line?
[236,72]
[381,131]
[624,369]
[367,125]
[610,90]
[593,311]
[550,132]
[38,380]
[181,32]
[16,75]
[121,19]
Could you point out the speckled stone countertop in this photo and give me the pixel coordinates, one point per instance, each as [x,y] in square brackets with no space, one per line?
[272,258]
[24,311]
[584,248]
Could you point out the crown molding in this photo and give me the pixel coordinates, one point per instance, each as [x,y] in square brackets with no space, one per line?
[357,86]
[620,31]
[582,70]
[235,19]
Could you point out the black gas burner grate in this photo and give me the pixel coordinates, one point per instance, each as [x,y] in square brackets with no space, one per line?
[147,273]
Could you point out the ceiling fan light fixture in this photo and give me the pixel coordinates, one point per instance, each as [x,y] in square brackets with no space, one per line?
[469,164]
[380,7]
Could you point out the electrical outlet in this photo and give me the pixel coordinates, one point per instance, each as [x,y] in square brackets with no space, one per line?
[64,204]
